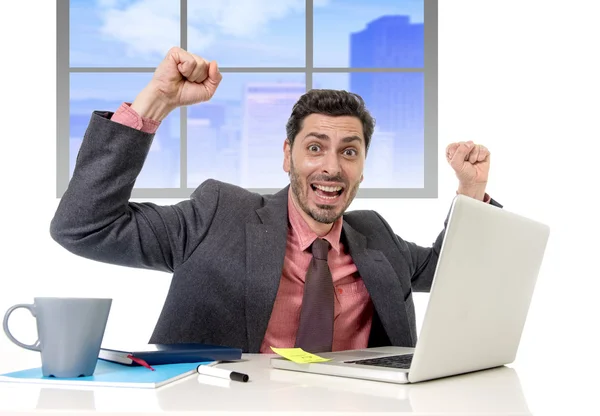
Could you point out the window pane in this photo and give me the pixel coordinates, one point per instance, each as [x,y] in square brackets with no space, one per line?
[117,33]
[249,33]
[238,136]
[368,33]
[396,101]
[90,92]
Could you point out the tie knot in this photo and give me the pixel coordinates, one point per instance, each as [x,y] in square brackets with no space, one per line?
[320,248]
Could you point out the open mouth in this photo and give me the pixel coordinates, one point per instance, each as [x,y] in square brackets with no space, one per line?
[327,192]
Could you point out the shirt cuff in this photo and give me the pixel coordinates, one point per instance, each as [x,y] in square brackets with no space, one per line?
[129,117]
[486,198]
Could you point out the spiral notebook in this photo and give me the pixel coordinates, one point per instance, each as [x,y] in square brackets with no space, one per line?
[109,374]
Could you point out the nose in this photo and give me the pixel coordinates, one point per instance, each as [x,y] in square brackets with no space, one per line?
[331,164]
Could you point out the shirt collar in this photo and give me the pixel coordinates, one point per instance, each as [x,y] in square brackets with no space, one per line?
[305,235]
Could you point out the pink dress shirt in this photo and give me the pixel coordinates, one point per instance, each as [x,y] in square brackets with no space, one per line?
[353,309]
[129,117]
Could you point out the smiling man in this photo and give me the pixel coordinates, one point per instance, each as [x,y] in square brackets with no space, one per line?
[257,271]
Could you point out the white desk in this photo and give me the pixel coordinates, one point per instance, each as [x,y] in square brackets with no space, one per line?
[271,391]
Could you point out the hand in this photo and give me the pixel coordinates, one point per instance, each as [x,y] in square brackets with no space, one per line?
[471,163]
[182,78]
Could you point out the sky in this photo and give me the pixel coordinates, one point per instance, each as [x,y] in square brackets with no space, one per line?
[236,33]
[247,33]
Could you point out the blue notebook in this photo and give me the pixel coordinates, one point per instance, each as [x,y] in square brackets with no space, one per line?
[156,354]
[111,375]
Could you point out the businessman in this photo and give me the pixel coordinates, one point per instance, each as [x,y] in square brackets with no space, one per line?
[250,270]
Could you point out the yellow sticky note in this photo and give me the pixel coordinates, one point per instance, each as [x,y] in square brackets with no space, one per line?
[298,355]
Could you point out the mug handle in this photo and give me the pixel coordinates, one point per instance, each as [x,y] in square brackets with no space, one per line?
[32,347]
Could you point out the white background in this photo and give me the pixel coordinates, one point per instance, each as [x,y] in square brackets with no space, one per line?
[520,76]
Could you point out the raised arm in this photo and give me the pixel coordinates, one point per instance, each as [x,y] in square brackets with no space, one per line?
[95,219]
[471,164]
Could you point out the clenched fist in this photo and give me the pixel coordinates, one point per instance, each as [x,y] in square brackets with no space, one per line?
[182,78]
[471,163]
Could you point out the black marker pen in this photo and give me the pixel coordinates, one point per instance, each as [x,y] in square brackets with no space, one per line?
[222,373]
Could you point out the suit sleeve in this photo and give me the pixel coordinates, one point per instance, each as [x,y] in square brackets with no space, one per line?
[423,260]
[95,219]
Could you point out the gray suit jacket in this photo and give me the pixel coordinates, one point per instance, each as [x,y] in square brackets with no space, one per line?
[225,247]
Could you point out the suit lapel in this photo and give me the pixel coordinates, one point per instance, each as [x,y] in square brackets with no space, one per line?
[265,253]
[382,284]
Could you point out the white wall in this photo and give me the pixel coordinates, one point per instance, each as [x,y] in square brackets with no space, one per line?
[519,76]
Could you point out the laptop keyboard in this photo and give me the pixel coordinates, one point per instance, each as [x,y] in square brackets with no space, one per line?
[393,361]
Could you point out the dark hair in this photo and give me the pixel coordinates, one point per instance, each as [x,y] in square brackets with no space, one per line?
[331,103]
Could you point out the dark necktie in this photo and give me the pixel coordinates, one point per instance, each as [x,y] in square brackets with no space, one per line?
[315,333]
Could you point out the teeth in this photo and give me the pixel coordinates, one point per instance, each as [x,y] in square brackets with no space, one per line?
[328,188]
[327,197]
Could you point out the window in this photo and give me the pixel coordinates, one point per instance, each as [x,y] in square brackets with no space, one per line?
[269,53]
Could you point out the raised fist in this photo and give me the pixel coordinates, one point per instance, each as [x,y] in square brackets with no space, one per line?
[182,78]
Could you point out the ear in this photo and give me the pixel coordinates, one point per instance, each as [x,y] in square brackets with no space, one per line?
[287,156]
[362,176]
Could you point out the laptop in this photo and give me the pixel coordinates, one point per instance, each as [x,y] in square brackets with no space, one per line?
[482,288]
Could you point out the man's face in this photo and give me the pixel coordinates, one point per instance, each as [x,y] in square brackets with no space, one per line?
[326,165]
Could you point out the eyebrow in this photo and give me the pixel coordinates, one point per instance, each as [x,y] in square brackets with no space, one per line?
[323,136]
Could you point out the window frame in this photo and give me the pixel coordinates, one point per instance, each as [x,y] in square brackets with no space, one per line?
[430,122]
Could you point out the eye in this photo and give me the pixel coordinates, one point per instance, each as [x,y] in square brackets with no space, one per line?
[350,152]
[314,148]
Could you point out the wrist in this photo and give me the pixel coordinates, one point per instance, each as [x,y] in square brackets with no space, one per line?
[149,105]
[473,191]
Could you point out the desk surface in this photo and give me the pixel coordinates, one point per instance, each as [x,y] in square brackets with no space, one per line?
[273,391]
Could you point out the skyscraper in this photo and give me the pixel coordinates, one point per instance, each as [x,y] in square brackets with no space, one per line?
[161,168]
[380,162]
[266,109]
[202,156]
[395,99]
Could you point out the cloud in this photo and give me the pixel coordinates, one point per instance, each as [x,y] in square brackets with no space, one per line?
[149,28]
[144,27]
[240,18]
